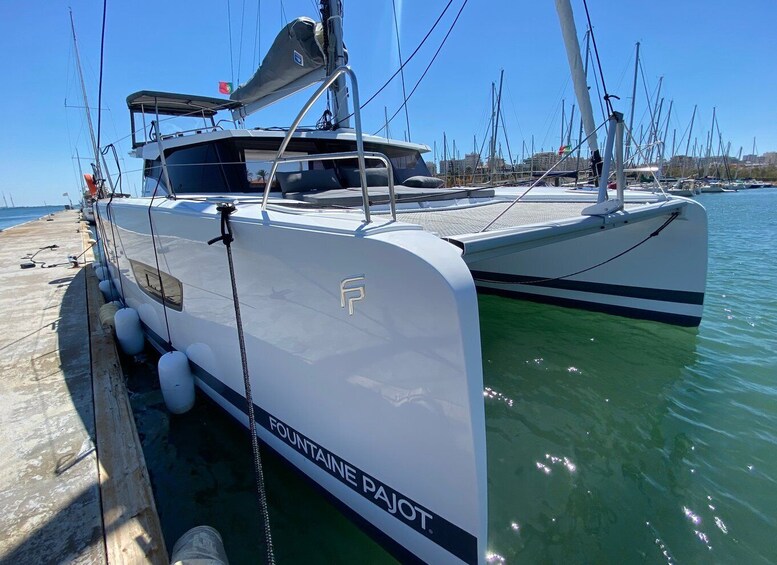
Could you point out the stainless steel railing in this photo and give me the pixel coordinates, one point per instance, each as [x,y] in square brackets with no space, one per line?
[359,153]
[347,155]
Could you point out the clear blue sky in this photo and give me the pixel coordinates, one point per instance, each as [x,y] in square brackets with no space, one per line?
[710,53]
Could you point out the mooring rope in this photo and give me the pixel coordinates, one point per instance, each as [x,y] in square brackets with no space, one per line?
[227,238]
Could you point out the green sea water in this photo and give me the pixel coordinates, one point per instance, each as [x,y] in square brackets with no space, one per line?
[609,440]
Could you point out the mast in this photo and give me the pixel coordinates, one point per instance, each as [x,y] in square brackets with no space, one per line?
[688,143]
[633,100]
[492,141]
[5,201]
[86,100]
[568,31]
[712,129]
[641,139]
[498,111]
[454,164]
[332,14]
[445,156]
[653,136]
[563,122]
[709,141]
[666,133]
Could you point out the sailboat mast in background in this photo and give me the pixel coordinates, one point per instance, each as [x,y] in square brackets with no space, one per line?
[86,100]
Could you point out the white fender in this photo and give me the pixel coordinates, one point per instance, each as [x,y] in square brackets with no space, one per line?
[128,331]
[176,381]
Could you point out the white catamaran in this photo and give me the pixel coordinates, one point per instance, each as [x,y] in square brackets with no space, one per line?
[357,277]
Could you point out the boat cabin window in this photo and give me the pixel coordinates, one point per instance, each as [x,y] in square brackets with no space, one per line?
[243,166]
[153,185]
[222,166]
[406,163]
[259,164]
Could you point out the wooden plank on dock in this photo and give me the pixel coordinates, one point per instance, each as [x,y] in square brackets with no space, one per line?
[132,530]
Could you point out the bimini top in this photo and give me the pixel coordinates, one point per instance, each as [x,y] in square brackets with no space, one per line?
[174,104]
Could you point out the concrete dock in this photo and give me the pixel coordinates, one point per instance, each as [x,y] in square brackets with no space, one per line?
[73,484]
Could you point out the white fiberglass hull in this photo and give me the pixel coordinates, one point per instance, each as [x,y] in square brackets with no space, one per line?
[606,263]
[363,349]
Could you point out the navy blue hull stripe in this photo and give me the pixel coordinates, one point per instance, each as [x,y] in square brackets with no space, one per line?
[625,311]
[423,520]
[679,296]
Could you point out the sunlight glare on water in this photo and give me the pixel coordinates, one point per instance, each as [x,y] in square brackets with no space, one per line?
[627,440]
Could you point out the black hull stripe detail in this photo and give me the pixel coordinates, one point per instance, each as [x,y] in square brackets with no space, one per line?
[679,296]
[445,534]
[625,311]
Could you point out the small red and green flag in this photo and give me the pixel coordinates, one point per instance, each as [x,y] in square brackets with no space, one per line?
[225,87]
[564,149]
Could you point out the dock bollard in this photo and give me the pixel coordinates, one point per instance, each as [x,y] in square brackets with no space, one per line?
[202,545]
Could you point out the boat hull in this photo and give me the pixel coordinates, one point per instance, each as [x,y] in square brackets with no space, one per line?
[363,350]
[607,263]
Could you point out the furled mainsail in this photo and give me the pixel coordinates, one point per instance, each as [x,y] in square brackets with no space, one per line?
[295,60]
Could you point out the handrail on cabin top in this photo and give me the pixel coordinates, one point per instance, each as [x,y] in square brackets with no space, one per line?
[359,141]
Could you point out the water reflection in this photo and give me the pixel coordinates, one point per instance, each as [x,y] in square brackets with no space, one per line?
[579,451]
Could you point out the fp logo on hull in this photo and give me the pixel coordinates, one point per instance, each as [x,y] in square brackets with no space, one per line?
[352,290]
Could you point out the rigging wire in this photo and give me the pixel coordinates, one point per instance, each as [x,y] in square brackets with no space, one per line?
[649,105]
[598,60]
[240,48]
[100,84]
[257,38]
[507,141]
[156,260]
[515,111]
[427,67]
[599,94]
[231,52]
[401,67]
[110,217]
[540,179]
[482,146]
[284,19]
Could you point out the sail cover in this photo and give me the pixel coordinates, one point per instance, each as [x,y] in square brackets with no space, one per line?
[295,60]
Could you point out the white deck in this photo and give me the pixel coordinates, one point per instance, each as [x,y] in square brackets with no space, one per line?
[466,220]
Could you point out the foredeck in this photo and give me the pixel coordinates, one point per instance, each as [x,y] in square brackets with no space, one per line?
[459,221]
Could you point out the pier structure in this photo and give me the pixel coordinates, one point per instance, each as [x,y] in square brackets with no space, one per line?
[73,485]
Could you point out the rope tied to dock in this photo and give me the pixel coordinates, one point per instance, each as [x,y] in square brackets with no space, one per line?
[227,238]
